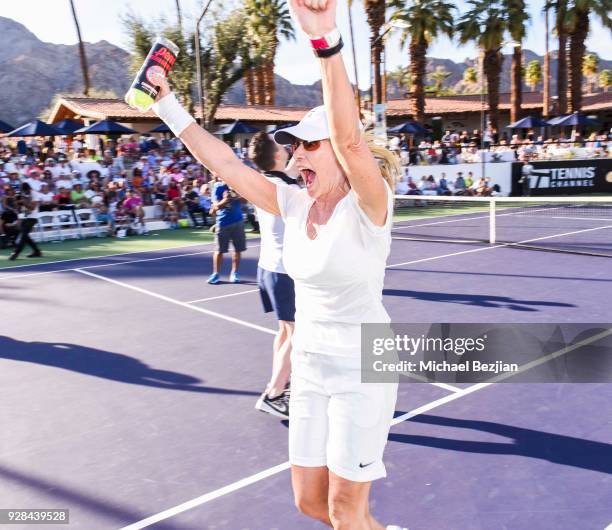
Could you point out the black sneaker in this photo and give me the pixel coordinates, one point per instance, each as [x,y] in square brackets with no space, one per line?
[278,406]
[35,255]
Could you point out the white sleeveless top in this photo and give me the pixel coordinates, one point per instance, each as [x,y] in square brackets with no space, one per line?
[338,276]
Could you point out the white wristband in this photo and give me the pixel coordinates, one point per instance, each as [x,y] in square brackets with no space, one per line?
[176,117]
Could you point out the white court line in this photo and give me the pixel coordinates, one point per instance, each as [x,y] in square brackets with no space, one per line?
[576,218]
[445,386]
[104,256]
[177,302]
[198,501]
[501,245]
[465,217]
[609,527]
[30,274]
[222,296]
[27,275]
[252,479]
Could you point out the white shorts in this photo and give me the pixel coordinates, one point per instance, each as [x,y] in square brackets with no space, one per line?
[336,420]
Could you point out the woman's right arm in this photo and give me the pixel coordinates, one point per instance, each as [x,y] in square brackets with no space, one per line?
[219,158]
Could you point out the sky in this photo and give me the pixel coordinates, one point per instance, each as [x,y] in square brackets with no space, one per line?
[51,21]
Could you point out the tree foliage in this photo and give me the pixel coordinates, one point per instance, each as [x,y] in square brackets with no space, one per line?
[225,51]
[423,21]
[439,76]
[605,79]
[268,21]
[533,74]
[470,75]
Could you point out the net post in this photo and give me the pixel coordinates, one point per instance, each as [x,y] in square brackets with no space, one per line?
[492,229]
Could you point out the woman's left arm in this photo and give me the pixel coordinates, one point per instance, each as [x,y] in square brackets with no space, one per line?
[318,18]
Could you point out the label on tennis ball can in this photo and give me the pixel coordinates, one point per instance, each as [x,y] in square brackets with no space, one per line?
[159,61]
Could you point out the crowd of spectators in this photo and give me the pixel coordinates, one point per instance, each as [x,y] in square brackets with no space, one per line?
[456,147]
[116,180]
[460,185]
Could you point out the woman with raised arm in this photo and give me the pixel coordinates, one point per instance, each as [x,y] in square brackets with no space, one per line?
[337,239]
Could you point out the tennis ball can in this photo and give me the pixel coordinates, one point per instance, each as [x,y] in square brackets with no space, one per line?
[160,60]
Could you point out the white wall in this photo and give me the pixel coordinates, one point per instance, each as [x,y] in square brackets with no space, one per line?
[500,173]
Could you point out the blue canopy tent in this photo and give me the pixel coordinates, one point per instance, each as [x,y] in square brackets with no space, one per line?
[5,127]
[69,126]
[163,128]
[529,122]
[37,128]
[575,120]
[554,122]
[105,127]
[237,127]
[283,126]
[409,127]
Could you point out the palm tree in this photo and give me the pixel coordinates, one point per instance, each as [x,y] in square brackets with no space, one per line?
[605,79]
[533,74]
[578,26]
[401,76]
[560,26]
[517,18]
[375,11]
[179,15]
[546,87]
[438,76]
[590,65]
[424,20]
[84,67]
[470,75]
[269,20]
[485,23]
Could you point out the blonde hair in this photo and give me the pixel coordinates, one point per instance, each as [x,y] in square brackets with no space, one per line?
[388,162]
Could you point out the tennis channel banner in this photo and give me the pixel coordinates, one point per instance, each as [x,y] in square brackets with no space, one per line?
[565,177]
[486,353]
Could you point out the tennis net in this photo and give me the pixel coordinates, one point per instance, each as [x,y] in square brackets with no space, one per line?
[577,225]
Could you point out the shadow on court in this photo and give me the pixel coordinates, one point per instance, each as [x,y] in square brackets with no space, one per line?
[77,500]
[556,448]
[479,274]
[503,302]
[107,365]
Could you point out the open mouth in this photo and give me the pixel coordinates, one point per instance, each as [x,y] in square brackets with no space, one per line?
[309,176]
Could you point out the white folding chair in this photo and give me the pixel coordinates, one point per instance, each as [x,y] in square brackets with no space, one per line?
[87,220]
[47,227]
[65,220]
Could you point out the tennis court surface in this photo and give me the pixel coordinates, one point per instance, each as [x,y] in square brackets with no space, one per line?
[128,385]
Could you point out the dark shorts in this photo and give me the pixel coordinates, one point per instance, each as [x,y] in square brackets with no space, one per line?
[234,233]
[277,294]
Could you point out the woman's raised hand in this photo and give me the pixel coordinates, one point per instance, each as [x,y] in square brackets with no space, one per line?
[160,81]
[316,18]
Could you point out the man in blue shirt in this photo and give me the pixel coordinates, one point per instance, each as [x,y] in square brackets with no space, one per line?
[229,227]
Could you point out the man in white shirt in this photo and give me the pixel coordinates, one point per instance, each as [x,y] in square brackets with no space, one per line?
[276,287]
[53,168]
[76,144]
[64,180]
[34,180]
[44,198]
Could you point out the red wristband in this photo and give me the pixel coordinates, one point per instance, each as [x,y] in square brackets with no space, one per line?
[326,41]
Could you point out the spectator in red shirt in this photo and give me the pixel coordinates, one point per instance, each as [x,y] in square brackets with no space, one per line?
[174,204]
